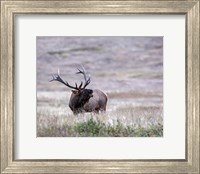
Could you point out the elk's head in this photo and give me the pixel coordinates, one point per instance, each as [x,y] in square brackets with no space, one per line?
[80,95]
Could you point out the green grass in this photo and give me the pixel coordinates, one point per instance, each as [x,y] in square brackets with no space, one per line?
[92,127]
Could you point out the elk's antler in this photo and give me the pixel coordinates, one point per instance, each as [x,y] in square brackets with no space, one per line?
[87,80]
[57,77]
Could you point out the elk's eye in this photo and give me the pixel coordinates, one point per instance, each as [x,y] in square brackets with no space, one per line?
[75,92]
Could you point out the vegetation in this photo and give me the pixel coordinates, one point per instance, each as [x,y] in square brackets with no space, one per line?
[94,127]
[55,119]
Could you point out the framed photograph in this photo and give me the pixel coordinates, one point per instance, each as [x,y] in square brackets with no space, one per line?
[99,86]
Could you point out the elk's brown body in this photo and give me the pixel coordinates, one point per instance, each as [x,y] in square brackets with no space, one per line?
[96,102]
[82,99]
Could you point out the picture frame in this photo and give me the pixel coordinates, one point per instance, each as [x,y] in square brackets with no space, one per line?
[9,9]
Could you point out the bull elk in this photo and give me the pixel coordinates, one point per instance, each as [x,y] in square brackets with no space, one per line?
[82,99]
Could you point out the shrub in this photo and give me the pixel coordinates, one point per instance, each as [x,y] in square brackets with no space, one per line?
[97,128]
[89,127]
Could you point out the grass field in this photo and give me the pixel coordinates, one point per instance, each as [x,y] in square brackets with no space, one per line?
[122,120]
